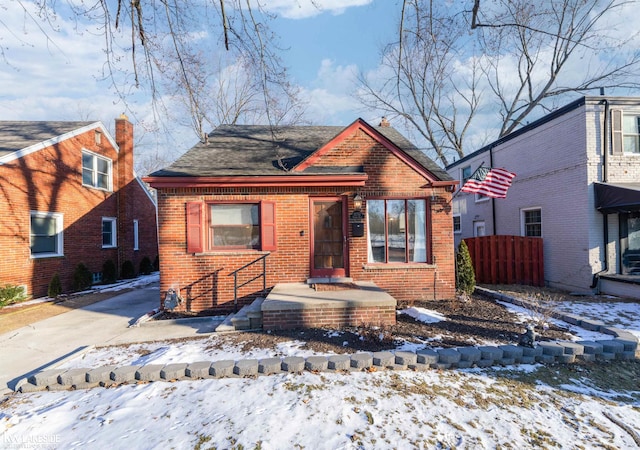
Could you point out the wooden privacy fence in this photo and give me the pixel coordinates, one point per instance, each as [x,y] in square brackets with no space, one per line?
[507,259]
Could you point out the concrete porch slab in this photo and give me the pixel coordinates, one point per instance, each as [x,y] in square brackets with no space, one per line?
[299,305]
[296,296]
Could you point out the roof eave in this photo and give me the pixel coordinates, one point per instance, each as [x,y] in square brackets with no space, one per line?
[258,181]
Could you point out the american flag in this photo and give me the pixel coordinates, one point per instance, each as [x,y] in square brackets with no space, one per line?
[490,182]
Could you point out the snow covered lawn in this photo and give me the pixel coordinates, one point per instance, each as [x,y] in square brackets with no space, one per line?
[469,409]
[527,406]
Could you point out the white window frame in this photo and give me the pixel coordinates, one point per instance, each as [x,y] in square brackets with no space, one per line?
[114,232]
[477,226]
[135,235]
[463,179]
[523,224]
[459,217]
[94,171]
[635,135]
[59,218]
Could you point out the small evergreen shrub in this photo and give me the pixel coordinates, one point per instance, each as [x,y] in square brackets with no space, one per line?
[55,286]
[82,278]
[109,272]
[128,271]
[145,266]
[465,276]
[11,293]
[156,264]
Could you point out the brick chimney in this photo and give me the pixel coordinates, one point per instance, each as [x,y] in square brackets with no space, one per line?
[384,122]
[124,139]
[124,173]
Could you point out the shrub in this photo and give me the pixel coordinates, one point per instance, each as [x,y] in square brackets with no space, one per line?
[82,277]
[55,286]
[156,264]
[145,266]
[11,293]
[465,276]
[109,273]
[128,271]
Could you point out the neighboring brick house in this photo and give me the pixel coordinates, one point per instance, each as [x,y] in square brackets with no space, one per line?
[288,192]
[577,186]
[68,194]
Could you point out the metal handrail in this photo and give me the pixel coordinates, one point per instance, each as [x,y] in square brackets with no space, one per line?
[263,258]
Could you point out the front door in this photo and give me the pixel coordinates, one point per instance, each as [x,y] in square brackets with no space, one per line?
[328,242]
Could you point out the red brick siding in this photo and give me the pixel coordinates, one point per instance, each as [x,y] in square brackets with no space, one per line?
[50,180]
[204,279]
[328,317]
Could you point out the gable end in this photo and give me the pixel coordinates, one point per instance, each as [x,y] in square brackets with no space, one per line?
[349,131]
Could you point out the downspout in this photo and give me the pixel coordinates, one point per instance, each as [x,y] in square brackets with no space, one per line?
[493,200]
[605,178]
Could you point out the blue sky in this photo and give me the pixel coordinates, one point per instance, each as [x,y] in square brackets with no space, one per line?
[60,78]
[325,48]
[352,38]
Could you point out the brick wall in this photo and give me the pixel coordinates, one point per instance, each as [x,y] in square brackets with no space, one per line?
[328,317]
[50,180]
[204,281]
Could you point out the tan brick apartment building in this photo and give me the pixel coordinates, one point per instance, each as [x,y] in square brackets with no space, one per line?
[68,194]
[319,202]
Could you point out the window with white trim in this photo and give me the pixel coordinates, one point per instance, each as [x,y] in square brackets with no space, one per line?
[135,235]
[234,225]
[457,224]
[465,174]
[231,226]
[631,133]
[397,230]
[531,222]
[109,232]
[46,234]
[96,171]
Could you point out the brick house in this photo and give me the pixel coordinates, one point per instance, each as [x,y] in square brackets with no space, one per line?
[68,194]
[577,186]
[322,203]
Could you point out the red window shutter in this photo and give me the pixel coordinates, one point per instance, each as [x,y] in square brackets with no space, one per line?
[268,225]
[195,227]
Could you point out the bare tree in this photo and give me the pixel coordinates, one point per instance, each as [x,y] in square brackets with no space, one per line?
[514,57]
[423,85]
[547,38]
[155,46]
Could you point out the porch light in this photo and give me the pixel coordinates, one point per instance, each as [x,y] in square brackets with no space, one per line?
[357,203]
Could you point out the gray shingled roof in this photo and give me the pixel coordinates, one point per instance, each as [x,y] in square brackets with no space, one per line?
[250,150]
[16,135]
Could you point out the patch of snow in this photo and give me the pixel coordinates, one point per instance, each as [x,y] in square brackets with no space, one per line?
[423,315]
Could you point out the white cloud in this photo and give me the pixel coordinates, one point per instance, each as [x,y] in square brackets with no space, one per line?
[48,74]
[302,9]
[330,99]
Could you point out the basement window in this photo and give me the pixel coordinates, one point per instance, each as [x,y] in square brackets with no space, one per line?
[46,234]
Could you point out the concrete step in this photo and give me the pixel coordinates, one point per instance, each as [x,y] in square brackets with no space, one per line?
[248,318]
[329,280]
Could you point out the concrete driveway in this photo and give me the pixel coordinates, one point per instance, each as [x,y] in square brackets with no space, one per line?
[46,343]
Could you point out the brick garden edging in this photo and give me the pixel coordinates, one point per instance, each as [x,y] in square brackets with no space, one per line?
[622,346]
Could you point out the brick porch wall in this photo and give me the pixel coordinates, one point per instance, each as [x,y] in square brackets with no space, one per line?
[329,317]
